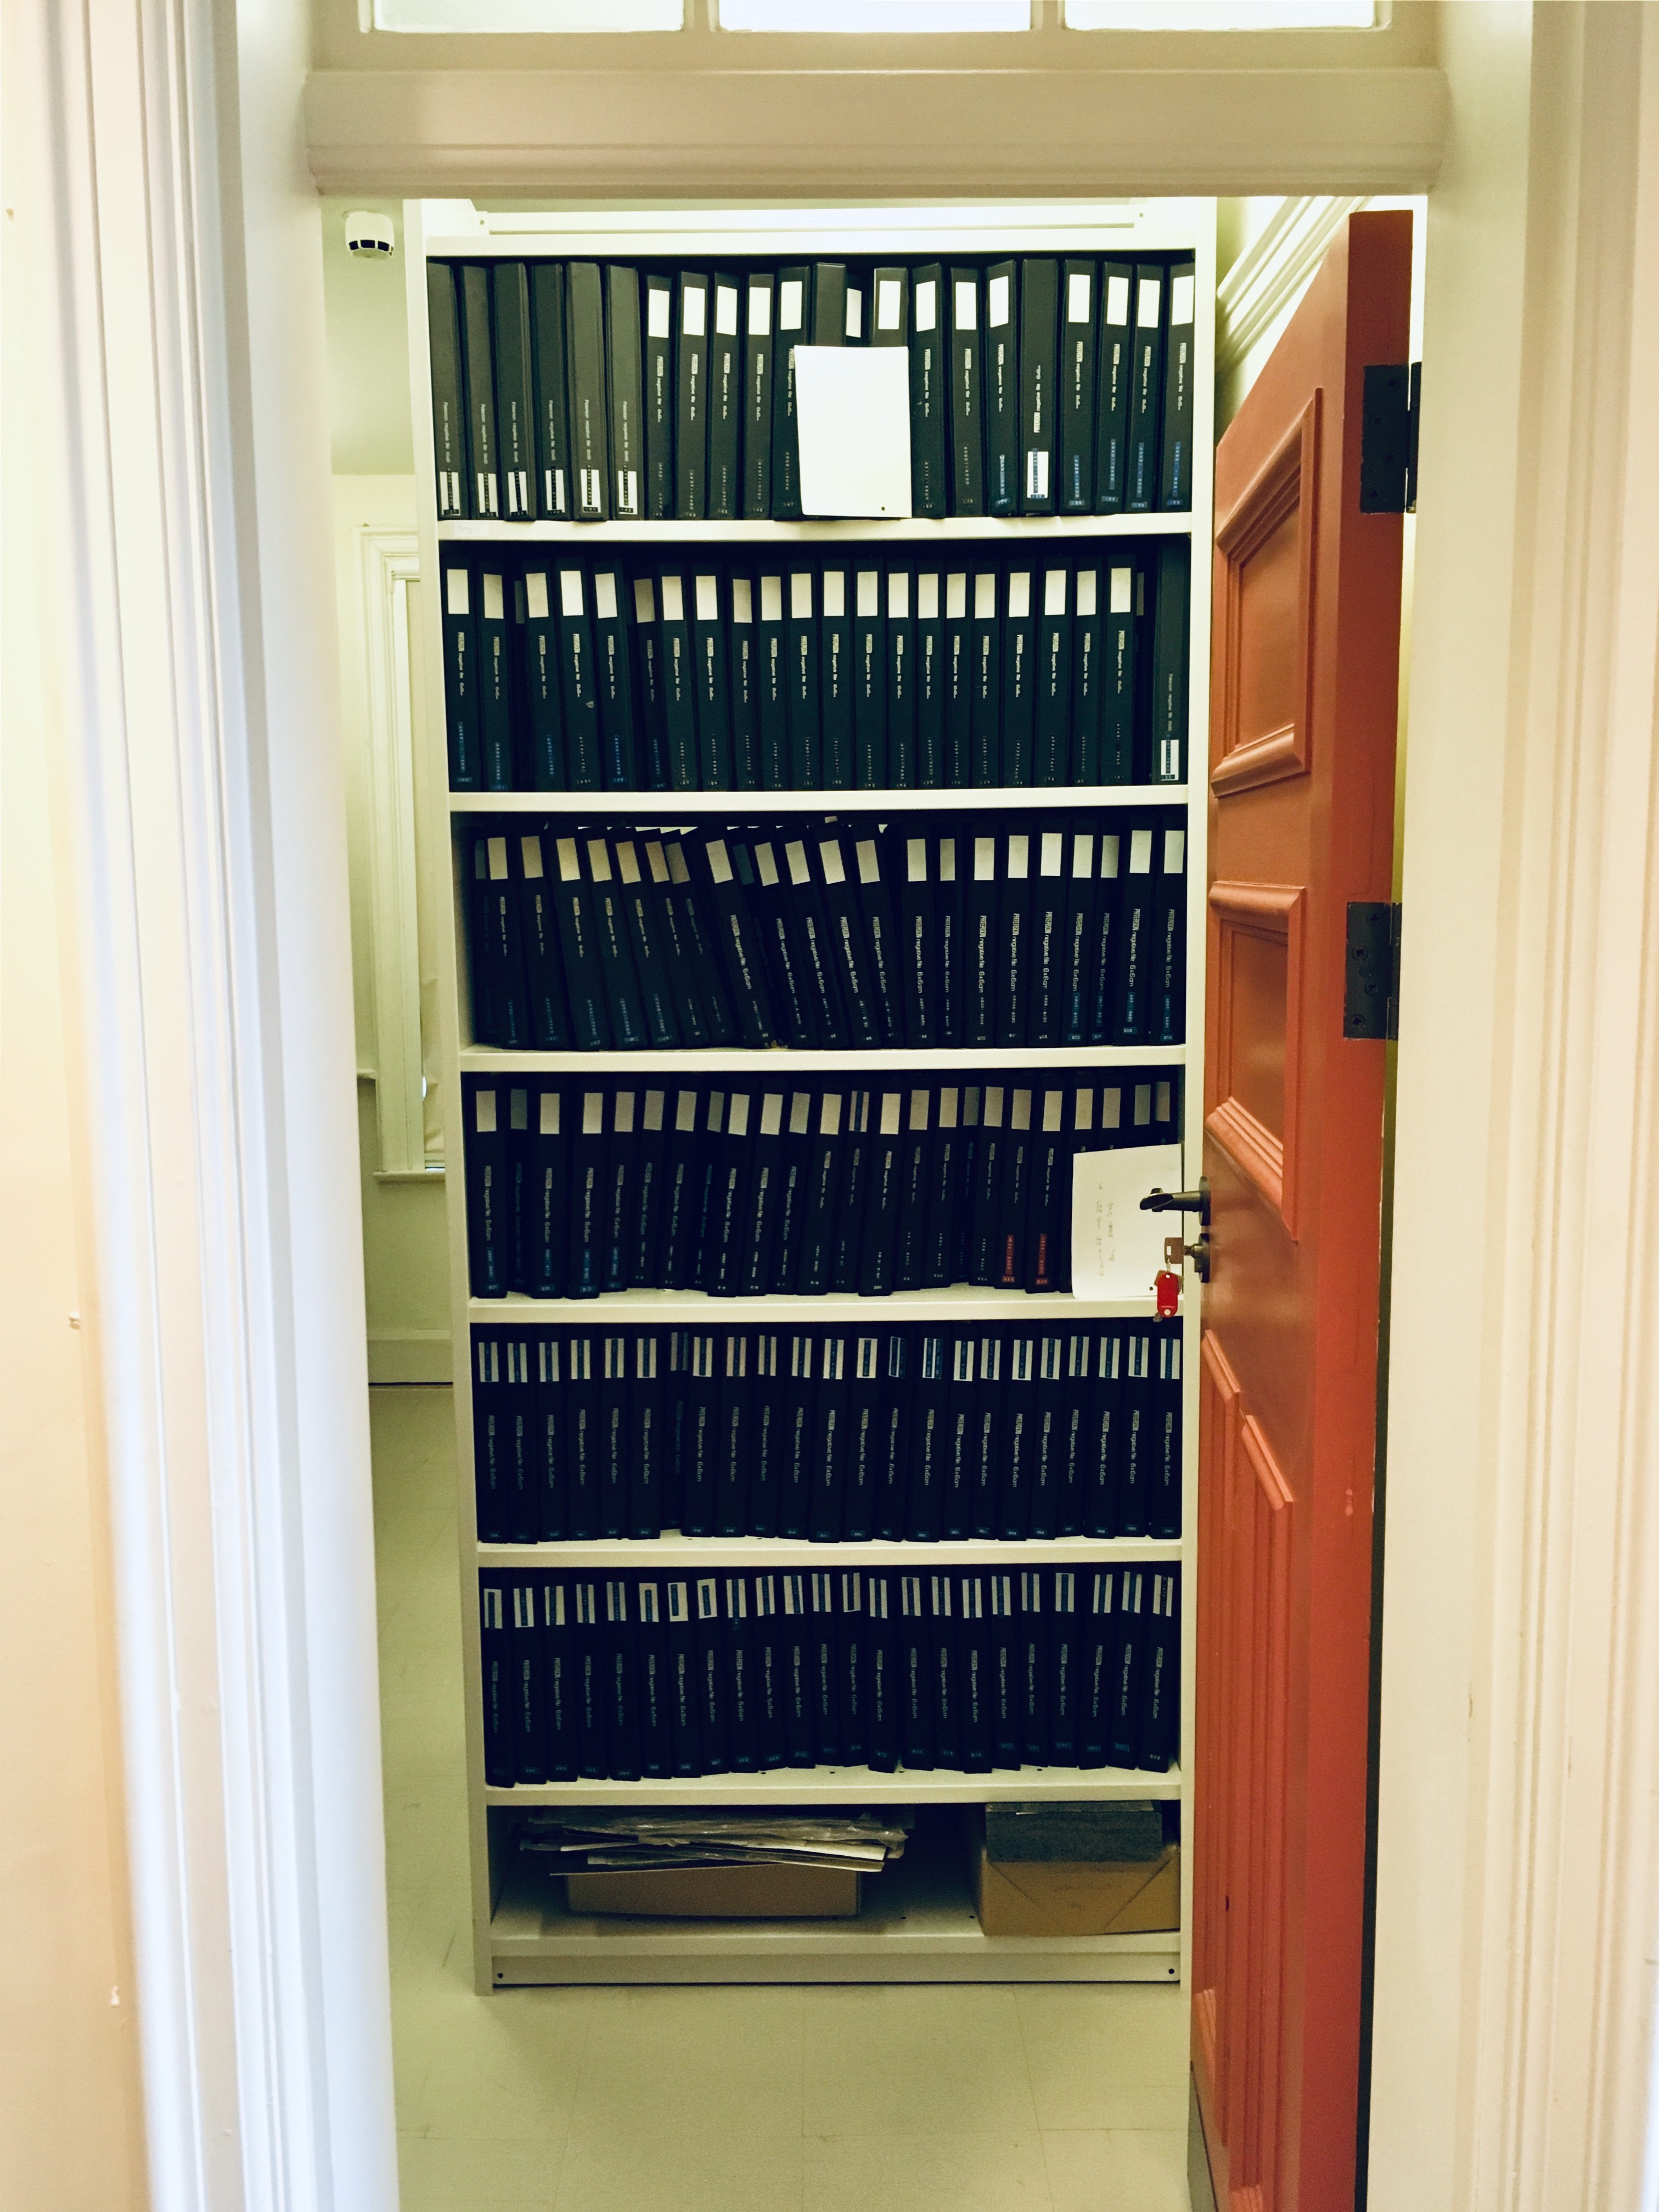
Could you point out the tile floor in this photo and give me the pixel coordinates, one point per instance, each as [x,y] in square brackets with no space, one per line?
[853,2099]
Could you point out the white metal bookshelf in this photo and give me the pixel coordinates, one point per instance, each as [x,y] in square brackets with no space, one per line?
[918,1925]
[956,529]
[963,1302]
[918,1922]
[673,806]
[784,1063]
[674,1552]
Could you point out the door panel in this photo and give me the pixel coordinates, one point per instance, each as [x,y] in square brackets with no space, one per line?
[1303,686]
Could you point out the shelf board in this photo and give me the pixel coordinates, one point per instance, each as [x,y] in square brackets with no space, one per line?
[851,1785]
[917,1924]
[966,1302]
[780,1059]
[669,808]
[711,1554]
[909,530]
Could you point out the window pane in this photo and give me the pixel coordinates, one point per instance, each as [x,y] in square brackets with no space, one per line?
[875,14]
[1219,14]
[468,15]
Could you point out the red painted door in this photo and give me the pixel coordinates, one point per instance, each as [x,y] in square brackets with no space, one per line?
[1302,705]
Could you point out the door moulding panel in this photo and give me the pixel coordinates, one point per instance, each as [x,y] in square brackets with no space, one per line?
[1256,516]
[1272,912]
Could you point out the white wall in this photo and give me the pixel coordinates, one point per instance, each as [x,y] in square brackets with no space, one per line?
[405,1255]
[71,2131]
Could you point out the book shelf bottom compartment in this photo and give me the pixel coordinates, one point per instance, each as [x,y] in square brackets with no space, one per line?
[917,1924]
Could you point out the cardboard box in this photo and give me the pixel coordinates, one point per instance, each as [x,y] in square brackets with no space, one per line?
[1060,1897]
[731,1892]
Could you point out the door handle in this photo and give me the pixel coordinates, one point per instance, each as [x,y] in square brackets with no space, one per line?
[1182,1201]
[1186,1202]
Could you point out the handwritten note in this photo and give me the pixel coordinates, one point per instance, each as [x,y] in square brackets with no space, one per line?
[1116,1250]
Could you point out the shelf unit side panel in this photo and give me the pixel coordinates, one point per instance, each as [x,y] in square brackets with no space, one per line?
[438,882]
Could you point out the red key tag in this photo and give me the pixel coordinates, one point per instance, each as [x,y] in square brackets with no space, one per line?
[1166,1288]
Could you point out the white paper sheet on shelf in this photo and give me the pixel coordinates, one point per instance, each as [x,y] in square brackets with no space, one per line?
[853,417]
[1116,1250]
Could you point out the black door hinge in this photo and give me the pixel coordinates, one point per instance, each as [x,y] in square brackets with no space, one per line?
[1387,439]
[1371,996]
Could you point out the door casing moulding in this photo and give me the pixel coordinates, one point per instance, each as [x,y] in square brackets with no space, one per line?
[1272,271]
[388,562]
[179,393]
[1518,1836]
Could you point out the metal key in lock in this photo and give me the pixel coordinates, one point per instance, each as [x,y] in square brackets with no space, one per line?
[1185,1202]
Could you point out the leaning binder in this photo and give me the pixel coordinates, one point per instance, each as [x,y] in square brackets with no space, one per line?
[449,459]
[624,1010]
[543,957]
[583,974]
[880,921]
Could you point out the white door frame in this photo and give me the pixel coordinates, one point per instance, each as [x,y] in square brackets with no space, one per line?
[1518,1840]
[202,827]
[181,517]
